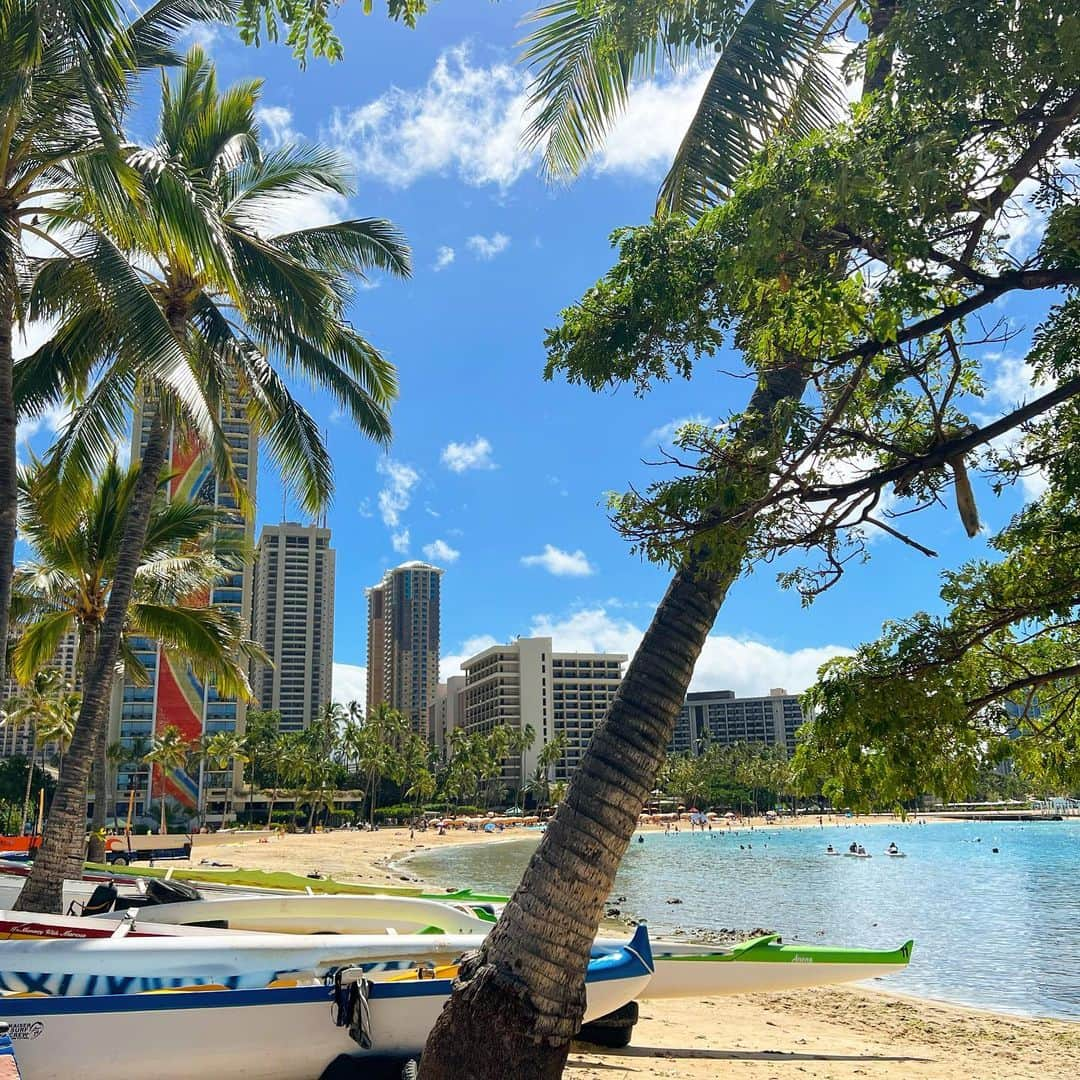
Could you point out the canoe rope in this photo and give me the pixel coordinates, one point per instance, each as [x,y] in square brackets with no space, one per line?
[351,1008]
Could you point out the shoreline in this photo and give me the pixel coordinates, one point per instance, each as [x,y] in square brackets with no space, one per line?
[827,1033]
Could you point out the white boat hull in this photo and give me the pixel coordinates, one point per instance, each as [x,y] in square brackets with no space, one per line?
[269,1034]
[318,915]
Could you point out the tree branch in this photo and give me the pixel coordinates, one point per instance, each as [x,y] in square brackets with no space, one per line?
[948,449]
[1029,681]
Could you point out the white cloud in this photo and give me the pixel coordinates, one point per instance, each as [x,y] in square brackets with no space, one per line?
[1012,382]
[666,432]
[396,494]
[560,563]
[468,120]
[439,551]
[451,665]
[349,683]
[646,136]
[487,247]
[750,668]
[443,258]
[275,125]
[458,457]
[400,541]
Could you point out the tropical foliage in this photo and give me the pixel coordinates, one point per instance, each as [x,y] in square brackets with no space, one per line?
[187,254]
[941,703]
[853,265]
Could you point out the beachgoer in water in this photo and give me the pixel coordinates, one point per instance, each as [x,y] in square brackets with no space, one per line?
[854,848]
[829,850]
[893,849]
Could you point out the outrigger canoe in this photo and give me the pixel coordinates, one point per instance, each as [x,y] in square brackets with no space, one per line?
[320,915]
[761,965]
[276,1033]
[109,966]
[261,881]
[682,969]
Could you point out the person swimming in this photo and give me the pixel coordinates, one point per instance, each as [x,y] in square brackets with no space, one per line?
[853,848]
[830,850]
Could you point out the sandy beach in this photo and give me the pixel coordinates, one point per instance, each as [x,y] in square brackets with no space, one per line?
[822,1034]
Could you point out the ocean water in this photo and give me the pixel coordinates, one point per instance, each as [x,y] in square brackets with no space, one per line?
[997,930]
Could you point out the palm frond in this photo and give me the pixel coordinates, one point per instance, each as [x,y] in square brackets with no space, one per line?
[770,74]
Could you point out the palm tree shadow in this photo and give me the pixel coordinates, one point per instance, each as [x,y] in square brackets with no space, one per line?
[702,1054]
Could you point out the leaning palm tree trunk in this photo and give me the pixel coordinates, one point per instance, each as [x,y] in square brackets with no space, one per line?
[518,1004]
[62,851]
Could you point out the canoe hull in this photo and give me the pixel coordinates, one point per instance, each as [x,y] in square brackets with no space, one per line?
[265,1034]
[318,915]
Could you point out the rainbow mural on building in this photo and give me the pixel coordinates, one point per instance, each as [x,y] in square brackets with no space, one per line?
[177,697]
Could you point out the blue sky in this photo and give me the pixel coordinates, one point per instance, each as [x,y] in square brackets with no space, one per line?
[495,474]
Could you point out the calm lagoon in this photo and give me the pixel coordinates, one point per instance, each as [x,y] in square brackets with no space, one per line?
[997,930]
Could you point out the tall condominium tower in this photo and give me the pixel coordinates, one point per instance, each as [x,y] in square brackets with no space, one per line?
[176,696]
[293,620]
[526,683]
[403,641]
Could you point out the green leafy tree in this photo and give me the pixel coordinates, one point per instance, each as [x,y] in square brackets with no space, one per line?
[848,267]
[207,298]
[379,752]
[938,702]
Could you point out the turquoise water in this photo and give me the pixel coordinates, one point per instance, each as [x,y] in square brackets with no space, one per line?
[1001,931]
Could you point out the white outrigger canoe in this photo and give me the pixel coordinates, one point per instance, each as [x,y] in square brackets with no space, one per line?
[267,1034]
[320,915]
[130,965]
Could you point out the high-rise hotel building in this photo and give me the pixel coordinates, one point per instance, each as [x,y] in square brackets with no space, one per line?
[556,693]
[292,618]
[718,716]
[176,696]
[403,641]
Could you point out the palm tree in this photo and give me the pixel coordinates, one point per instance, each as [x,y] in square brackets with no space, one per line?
[65,587]
[32,709]
[767,71]
[67,76]
[208,289]
[222,750]
[770,72]
[383,732]
[60,724]
[421,789]
[169,752]
[115,755]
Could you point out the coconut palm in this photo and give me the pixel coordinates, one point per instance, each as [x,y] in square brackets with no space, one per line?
[170,751]
[65,587]
[31,708]
[224,749]
[770,72]
[383,732]
[67,71]
[59,725]
[223,297]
